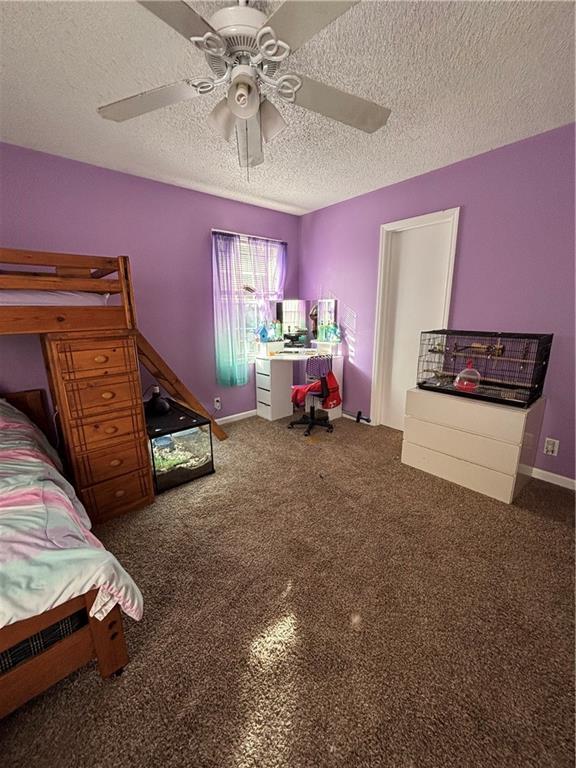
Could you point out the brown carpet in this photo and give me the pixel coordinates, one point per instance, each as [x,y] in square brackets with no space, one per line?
[316,603]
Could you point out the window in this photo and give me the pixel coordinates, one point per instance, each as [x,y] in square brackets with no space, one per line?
[248,275]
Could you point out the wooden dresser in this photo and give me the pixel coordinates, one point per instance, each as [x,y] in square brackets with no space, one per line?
[95,385]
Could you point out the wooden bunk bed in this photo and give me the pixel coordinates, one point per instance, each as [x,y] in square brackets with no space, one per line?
[66,272]
[81,638]
[92,354]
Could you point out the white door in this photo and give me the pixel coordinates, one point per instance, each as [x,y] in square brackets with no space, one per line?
[417,257]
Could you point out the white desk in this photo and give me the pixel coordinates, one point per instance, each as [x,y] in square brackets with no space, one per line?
[274,378]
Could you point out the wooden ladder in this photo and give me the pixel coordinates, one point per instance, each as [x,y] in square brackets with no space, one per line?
[168,380]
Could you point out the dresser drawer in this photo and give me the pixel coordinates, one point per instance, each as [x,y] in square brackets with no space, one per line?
[487,481]
[502,422]
[92,357]
[121,494]
[97,431]
[485,451]
[97,466]
[90,397]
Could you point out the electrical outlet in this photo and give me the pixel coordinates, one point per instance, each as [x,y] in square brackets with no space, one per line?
[551,446]
[217,404]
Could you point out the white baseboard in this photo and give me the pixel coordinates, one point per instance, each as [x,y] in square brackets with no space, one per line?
[551,477]
[236,417]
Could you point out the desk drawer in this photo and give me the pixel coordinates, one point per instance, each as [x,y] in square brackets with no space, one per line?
[262,366]
[97,466]
[490,453]
[500,422]
[121,494]
[263,396]
[99,431]
[263,410]
[89,397]
[263,381]
[92,357]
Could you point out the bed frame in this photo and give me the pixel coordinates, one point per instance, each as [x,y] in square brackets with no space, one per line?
[93,274]
[66,272]
[100,640]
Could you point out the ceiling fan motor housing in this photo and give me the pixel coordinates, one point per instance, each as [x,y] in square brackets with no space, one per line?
[238,26]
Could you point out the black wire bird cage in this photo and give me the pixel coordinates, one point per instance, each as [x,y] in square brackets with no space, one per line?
[505,368]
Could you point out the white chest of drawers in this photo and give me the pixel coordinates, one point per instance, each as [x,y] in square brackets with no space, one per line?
[486,447]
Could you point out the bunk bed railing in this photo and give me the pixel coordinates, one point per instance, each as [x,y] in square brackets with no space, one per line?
[66,272]
[44,282]
[65,260]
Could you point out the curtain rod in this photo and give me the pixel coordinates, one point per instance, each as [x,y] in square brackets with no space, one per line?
[243,234]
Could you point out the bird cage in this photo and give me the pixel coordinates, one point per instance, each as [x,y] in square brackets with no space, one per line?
[505,368]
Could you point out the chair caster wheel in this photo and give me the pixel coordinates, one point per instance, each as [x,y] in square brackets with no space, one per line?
[330,429]
[306,434]
[290,426]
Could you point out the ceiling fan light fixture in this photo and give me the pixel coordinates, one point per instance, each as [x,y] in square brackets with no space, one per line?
[243,94]
[222,119]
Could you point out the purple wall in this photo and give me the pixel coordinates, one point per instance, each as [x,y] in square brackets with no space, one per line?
[53,204]
[514,267]
[514,264]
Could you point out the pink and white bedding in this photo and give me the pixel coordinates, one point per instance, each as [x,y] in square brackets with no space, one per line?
[48,554]
[52,299]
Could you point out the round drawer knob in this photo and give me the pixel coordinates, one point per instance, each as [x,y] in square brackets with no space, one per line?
[115,462]
[108,395]
[111,430]
[101,359]
[120,493]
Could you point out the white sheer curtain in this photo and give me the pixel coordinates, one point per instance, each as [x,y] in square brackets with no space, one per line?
[248,275]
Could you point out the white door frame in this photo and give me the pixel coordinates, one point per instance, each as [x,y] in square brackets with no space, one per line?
[380,358]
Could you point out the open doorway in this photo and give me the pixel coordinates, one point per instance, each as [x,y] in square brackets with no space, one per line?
[414,290]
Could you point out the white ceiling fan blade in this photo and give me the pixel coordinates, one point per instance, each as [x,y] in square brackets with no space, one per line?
[178,15]
[133,106]
[296,21]
[339,105]
[249,139]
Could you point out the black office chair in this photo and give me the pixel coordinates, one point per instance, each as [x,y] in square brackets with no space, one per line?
[312,419]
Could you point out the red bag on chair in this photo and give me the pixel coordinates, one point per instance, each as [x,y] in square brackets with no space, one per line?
[333,399]
[299,392]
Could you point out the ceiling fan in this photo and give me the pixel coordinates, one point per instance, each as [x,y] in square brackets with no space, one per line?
[245,50]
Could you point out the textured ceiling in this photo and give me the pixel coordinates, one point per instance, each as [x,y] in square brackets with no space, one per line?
[460,78]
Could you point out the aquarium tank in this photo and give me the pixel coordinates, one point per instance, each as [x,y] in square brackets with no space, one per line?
[180,443]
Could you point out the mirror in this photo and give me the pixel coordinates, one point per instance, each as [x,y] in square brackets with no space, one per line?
[292,315]
[327,327]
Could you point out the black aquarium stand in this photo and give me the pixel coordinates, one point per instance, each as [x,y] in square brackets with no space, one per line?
[180,443]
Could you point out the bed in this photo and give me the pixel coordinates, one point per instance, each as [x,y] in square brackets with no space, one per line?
[61,592]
